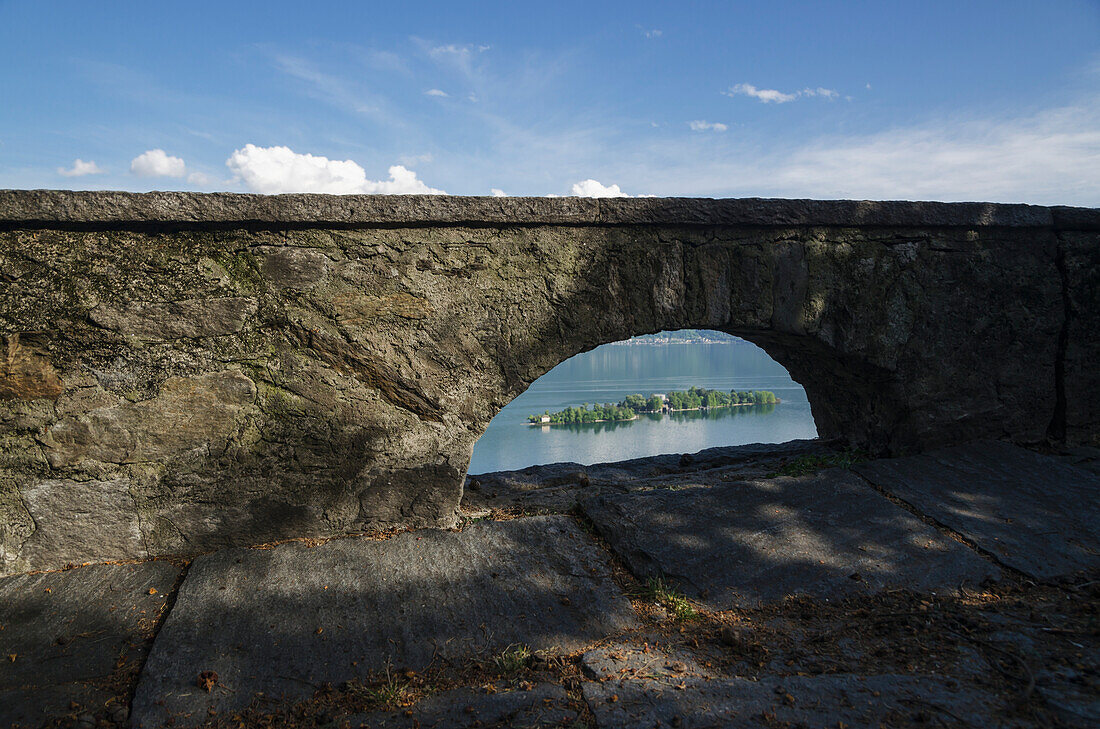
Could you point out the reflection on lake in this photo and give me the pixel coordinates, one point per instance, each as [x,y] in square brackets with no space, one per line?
[610,373]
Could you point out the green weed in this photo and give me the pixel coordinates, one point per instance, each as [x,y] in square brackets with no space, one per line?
[809,464]
[514,659]
[678,606]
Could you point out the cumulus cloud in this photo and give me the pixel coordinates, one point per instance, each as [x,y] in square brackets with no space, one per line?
[201,179]
[157,163]
[592,188]
[768,96]
[273,170]
[704,126]
[772,96]
[79,169]
[1050,158]
[436,92]
[497,192]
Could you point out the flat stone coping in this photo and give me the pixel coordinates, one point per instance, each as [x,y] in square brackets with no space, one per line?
[46,208]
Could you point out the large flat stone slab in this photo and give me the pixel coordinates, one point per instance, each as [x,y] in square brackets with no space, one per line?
[282,621]
[743,544]
[820,701]
[1032,512]
[71,642]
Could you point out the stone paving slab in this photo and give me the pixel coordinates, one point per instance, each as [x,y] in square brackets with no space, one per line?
[76,636]
[546,705]
[821,701]
[744,544]
[1032,512]
[281,621]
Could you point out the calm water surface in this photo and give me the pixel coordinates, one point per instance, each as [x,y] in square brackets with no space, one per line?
[610,373]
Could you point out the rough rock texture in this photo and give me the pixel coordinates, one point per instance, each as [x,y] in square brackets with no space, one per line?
[746,544]
[71,642]
[239,368]
[281,621]
[1030,512]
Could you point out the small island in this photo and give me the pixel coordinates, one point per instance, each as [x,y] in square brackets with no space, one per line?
[695,398]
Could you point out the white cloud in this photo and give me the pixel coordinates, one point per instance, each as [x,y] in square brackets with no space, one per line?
[703,126]
[157,163]
[497,192]
[272,170]
[768,96]
[591,188]
[1050,157]
[79,169]
[436,92]
[771,96]
[201,179]
[655,33]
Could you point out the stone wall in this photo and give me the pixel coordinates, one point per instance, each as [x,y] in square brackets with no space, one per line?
[181,372]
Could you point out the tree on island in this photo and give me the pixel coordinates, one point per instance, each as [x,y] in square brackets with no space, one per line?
[694,398]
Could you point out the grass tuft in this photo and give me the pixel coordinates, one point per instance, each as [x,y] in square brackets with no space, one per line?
[660,592]
[513,660]
[809,464]
[388,693]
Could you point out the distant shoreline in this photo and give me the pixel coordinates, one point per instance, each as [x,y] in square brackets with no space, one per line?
[682,336]
[665,342]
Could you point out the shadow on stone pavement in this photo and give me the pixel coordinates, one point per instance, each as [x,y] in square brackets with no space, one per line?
[807,596]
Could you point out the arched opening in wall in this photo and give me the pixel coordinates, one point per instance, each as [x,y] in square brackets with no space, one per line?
[671,393]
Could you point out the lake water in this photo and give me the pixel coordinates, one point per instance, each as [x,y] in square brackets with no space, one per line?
[610,373]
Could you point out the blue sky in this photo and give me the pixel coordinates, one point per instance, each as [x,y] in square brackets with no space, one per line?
[917,100]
